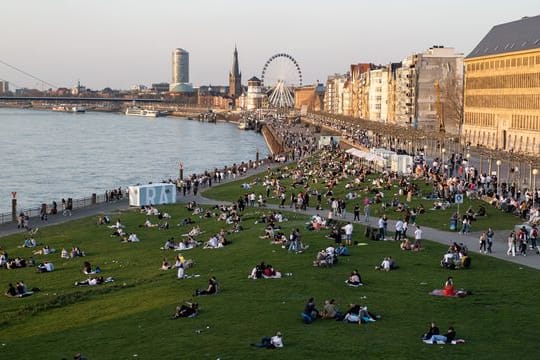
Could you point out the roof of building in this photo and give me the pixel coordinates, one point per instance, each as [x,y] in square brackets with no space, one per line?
[523,34]
[254,79]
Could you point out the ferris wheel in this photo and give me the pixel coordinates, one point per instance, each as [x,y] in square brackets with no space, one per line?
[281,74]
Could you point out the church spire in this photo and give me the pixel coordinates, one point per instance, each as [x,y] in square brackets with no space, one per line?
[235,77]
[235,69]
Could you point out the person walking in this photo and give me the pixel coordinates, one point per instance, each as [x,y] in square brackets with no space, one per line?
[511,244]
[483,242]
[489,235]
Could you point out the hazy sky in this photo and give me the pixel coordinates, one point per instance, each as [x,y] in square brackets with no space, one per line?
[119,43]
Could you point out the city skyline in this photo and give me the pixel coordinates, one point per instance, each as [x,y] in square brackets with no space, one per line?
[123,43]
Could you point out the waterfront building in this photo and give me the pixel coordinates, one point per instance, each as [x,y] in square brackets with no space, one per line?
[235,79]
[180,72]
[255,94]
[333,96]
[378,94]
[160,87]
[4,87]
[310,96]
[434,77]
[360,89]
[180,66]
[502,88]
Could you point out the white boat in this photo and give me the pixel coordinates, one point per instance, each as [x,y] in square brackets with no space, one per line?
[137,111]
[73,109]
[78,109]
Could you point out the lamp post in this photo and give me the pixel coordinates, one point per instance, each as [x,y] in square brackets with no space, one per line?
[442,162]
[499,162]
[534,172]
[468,156]
[410,148]
[489,165]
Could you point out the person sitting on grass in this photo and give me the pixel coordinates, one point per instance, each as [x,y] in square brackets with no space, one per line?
[210,290]
[387,264]
[406,245]
[354,279]
[64,254]
[165,265]
[448,338]
[273,342]
[148,224]
[342,250]
[45,267]
[133,238]
[189,310]
[310,312]
[29,243]
[358,314]
[76,252]
[11,291]
[169,244]
[330,310]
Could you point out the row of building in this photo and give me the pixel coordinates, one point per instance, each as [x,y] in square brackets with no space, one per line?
[490,98]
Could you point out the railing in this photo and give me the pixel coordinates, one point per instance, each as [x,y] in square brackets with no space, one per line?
[36,211]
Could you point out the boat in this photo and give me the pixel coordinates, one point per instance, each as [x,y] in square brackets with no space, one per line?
[78,109]
[137,111]
[73,109]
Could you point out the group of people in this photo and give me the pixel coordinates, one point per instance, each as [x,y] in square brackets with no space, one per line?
[19,290]
[456,257]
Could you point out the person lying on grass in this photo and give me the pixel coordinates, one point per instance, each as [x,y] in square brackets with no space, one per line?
[190,309]
[273,342]
[46,250]
[448,338]
[93,281]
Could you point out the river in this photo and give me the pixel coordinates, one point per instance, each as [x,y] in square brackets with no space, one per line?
[47,155]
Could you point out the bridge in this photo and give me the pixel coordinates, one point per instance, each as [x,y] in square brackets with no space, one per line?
[79,99]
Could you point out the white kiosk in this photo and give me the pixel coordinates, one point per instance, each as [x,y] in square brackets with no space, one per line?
[152,194]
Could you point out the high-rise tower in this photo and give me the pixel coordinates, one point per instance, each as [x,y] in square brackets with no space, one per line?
[235,78]
[180,66]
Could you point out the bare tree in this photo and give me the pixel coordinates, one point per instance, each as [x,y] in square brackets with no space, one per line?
[452,99]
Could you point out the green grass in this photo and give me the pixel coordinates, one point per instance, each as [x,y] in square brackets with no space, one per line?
[438,219]
[132,315]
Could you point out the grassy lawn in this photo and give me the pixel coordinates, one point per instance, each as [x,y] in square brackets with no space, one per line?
[130,318]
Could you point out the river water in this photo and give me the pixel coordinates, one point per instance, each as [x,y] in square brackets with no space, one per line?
[49,155]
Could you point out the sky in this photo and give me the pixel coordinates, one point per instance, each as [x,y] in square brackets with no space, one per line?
[121,43]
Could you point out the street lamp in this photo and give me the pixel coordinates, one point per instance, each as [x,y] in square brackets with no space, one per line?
[425,151]
[534,171]
[443,151]
[499,162]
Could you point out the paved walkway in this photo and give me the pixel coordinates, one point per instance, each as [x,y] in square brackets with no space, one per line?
[443,237]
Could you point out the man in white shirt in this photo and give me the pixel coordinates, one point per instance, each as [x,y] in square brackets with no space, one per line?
[417,238]
[399,230]
[348,233]
[381,228]
[277,340]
